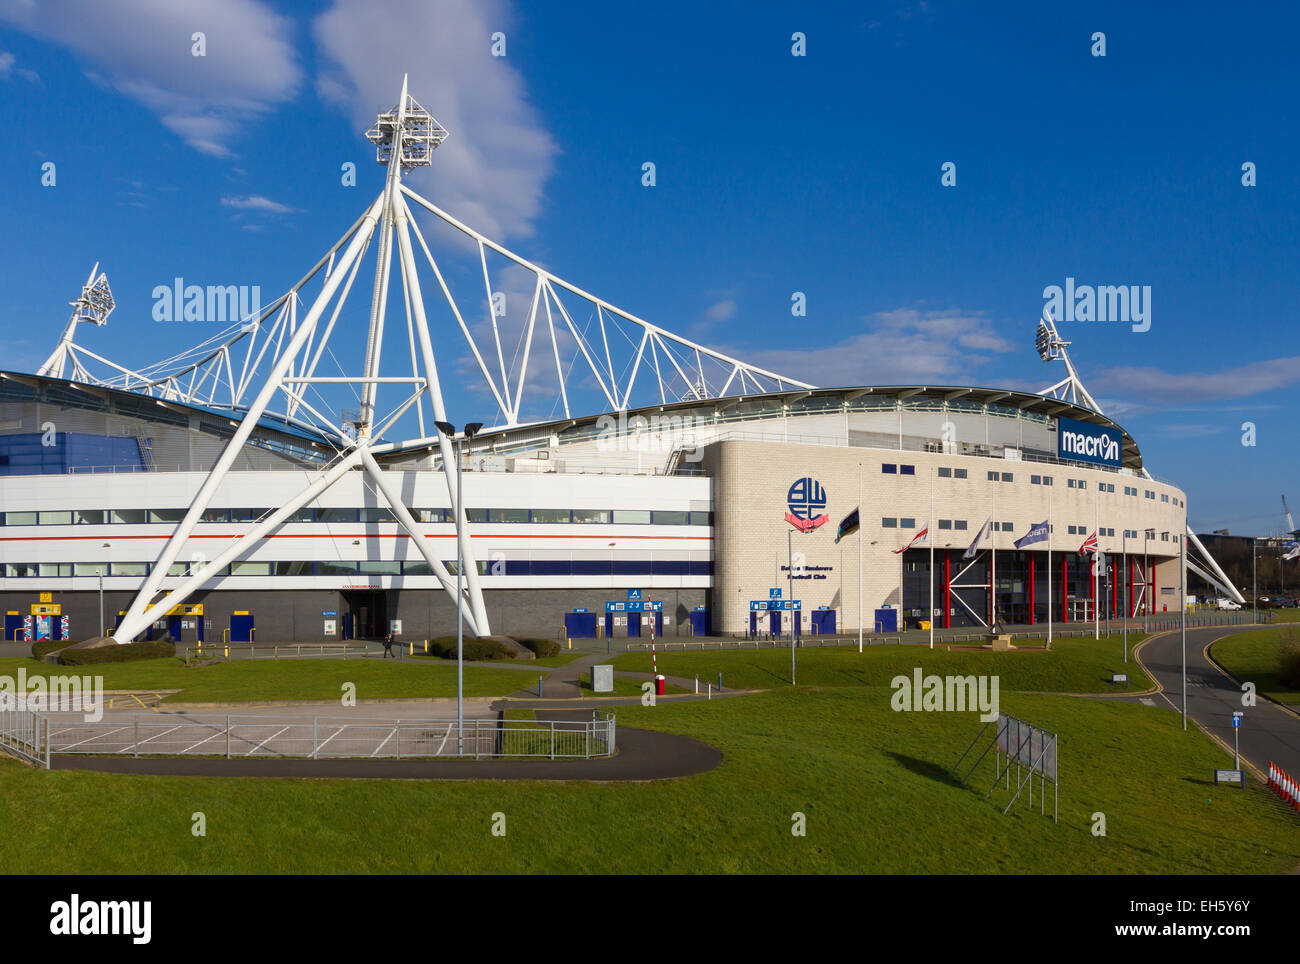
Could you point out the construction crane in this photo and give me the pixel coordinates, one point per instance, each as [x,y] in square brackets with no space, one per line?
[1290,523]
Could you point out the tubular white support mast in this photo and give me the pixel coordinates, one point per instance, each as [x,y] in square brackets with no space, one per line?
[94,304]
[1052,347]
[405,137]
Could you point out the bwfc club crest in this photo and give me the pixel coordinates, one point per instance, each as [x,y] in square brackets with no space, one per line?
[807,502]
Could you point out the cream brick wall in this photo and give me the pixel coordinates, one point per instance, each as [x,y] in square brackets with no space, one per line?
[752,480]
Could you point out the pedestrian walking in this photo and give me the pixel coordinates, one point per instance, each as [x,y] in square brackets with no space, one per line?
[388,647]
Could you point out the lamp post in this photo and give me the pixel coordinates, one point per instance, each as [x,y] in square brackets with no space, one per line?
[449,430]
[101,593]
[1254,578]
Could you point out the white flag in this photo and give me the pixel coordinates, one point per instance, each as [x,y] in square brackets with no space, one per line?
[980,537]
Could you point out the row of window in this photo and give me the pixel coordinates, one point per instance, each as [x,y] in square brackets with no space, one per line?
[889,468]
[173,516]
[494,567]
[949,473]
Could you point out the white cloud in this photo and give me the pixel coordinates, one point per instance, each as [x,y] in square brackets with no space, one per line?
[144,50]
[490,171]
[9,68]
[721,311]
[903,346]
[1165,388]
[257,203]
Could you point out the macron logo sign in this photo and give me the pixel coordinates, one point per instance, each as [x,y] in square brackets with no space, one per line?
[1087,443]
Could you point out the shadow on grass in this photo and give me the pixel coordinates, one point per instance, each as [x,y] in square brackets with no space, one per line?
[925,768]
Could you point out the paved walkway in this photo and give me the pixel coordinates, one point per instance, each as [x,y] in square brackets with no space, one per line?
[1268,731]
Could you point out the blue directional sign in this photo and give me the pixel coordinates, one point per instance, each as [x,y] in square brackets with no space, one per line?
[615,607]
[634,594]
[774,594]
[1236,721]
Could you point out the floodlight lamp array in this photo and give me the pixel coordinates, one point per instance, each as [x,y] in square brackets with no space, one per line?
[421,135]
[96,302]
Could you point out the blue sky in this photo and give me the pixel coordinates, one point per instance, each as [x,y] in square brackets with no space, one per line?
[775,174]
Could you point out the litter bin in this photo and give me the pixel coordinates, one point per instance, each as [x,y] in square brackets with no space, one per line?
[923,624]
[659,686]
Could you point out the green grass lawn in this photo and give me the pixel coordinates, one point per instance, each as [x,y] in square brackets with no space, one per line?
[1072,665]
[297,679]
[1252,658]
[872,784]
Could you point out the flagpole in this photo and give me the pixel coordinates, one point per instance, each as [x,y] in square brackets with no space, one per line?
[1127,602]
[861,536]
[993,563]
[930,533]
[1096,601]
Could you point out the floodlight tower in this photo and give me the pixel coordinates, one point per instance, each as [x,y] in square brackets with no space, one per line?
[405,137]
[1052,347]
[94,304]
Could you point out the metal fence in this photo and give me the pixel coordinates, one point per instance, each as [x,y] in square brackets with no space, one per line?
[331,737]
[25,733]
[277,651]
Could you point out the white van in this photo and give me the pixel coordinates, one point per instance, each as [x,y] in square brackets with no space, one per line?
[1224,603]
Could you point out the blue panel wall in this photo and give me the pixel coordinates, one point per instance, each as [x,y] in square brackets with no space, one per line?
[25,455]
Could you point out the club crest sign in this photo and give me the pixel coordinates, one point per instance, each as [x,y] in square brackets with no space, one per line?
[806,503]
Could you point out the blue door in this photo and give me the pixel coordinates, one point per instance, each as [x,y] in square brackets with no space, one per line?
[241,628]
[174,628]
[798,622]
[13,627]
[700,623]
[659,625]
[609,625]
[633,624]
[774,622]
[753,624]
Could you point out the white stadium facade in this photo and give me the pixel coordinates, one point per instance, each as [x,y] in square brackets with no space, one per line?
[232,493]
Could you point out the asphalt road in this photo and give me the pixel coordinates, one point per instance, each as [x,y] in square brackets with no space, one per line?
[1268,732]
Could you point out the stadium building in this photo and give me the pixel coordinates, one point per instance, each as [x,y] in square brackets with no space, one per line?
[178,500]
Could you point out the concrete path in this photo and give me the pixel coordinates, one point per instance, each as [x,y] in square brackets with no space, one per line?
[1269,732]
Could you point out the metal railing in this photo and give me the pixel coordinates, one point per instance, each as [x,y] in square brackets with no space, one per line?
[24,732]
[225,650]
[319,738]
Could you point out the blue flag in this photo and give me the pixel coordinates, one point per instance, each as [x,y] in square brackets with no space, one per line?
[1036,533]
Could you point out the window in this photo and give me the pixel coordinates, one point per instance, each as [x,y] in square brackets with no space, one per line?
[945,523]
[55,568]
[417,568]
[56,518]
[476,515]
[631,516]
[337,515]
[1035,480]
[248,515]
[1047,480]
[19,570]
[93,517]
[90,569]
[376,515]
[1071,531]
[591,515]
[1083,484]
[20,518]
[907,523]
[1164,497]
[907,470]
[294,568]
[993,476]
[1004,526]
[701,518]
[1150,494]
[433,515]
[215,515]
[507,515]
[663,518]
[1007,477]
[335,568]
[959,524]
[169,516]
[131,568]
[303,515]
[889,468]
[250,568]
[550,515]
[129,516]
[959,473]
[380,568]
[945,473]
[889,523]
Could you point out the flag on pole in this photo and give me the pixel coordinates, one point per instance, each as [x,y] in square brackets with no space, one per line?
[1293,550]
[1036,533]
[980,538]
[919,536]
[850,524]
[1089,545]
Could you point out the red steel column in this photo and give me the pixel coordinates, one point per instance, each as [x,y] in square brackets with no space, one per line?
[1128,609]
[947,591]
[1065,587]
[1031,589]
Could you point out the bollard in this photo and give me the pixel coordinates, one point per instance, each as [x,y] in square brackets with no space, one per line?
[719,682]
[227,736]
[697,684]
[710,691]
[539,685]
